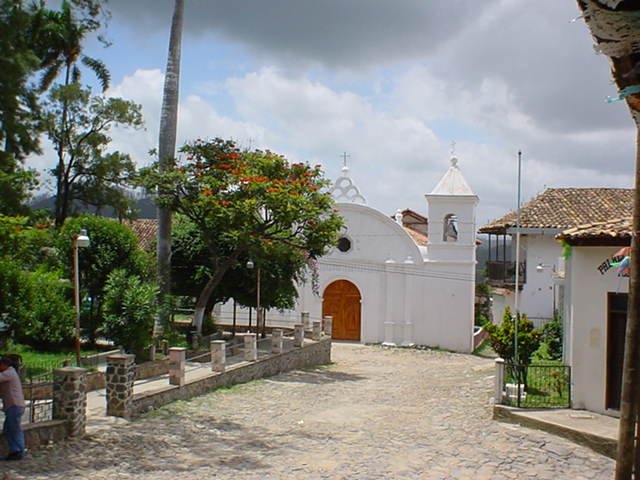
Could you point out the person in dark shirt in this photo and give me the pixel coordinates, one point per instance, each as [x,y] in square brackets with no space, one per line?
[13,407]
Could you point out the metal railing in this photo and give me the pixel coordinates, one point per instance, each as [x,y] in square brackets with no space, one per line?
[537,386]
[504,273]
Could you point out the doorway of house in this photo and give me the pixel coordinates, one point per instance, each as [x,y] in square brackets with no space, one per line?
[616,327]
[341,300]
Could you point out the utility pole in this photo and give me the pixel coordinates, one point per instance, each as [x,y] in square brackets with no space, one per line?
[614,27]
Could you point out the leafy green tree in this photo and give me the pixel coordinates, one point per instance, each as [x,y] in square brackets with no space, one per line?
[112,246]
[85,171]
[502,337]
[246,204]
[130,309]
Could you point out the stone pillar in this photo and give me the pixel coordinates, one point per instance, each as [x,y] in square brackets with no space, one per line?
[277,342]
[177,362]
[218,355]
[195,340]
[250,347]
[70,398]
[305,320]
[499,380]
[121,370]
[316,332]
[328,325]
[298,335]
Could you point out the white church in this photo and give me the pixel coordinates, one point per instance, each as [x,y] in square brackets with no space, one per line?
[397,281]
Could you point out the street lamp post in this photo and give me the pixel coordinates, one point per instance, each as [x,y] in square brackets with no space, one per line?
[80,240]
[250,266]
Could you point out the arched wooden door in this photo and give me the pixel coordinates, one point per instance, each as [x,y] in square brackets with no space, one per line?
[341,300]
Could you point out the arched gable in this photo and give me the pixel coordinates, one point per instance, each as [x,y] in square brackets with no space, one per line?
[374,237]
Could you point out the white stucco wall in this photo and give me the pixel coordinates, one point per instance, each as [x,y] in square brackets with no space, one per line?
[422,301]
[536,298]
[586,311]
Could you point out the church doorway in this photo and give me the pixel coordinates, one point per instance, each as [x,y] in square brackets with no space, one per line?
[341,300]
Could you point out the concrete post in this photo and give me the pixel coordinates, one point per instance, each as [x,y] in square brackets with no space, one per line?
[250,347]
[177,362]
[316,332]
[195,340]
[408,335]
[328,325]
[305,320]
[277,342]
[70,398]
[121,370]
[218,355]
[388,334]
[499,362]
[298,335]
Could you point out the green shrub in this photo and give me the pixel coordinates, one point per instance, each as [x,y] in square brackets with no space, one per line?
[552,339]
[129,311]
[502,336]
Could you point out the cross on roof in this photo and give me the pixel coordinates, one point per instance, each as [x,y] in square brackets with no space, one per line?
[344,158]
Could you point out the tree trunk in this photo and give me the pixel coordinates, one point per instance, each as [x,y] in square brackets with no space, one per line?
[166,155]
[630,381]
[205,294]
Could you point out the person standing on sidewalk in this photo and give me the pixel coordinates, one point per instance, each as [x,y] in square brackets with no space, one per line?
[13,407]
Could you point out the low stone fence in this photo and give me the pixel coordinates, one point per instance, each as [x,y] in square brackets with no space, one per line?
[67,416]
[308,354]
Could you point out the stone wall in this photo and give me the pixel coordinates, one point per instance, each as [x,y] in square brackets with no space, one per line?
[317,353]
[39,434]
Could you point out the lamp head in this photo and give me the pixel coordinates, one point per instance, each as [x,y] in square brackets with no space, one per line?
[82,239]
[250,264]
[539,268]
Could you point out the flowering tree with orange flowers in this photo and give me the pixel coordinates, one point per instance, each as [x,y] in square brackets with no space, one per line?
[246,203]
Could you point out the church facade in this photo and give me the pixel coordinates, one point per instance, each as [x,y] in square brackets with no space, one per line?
[387,282]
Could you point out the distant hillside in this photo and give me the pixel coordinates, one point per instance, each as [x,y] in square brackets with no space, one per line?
[143,207]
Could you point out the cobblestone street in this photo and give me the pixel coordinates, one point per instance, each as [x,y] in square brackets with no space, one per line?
[375,414]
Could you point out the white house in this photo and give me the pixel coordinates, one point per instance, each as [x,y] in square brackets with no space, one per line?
[595,312]
[385,281]
[541,265]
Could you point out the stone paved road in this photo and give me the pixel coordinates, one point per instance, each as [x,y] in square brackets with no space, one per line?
[375,414]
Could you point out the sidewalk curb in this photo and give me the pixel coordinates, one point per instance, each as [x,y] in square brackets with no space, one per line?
[603,445]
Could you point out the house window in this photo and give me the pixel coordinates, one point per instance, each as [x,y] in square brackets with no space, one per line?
[450,228]
[344,244]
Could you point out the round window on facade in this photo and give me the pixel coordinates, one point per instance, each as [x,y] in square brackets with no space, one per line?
[344,244]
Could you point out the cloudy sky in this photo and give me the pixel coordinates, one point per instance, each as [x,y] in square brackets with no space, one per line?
[390,82]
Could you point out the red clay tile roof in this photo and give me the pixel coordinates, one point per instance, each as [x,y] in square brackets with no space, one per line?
[418,237]
[146,231]
[562,208]
[613,232]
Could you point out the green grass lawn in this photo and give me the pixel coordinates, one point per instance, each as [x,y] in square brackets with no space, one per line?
[547,386]
[38,363]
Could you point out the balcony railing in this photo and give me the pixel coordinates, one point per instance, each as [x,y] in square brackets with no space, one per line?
[503,273]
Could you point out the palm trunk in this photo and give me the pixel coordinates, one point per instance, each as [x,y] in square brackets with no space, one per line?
[626,455]
[166,154]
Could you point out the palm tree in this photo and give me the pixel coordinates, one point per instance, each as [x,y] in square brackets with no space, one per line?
[613,25]
[64,36]
[166,156]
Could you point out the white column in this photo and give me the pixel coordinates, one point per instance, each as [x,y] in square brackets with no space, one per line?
[250,347]
[276,341]
[407,282]
[389,324]
[298,335]
[499,362]
[328,325]
[316,333]
[218,355]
